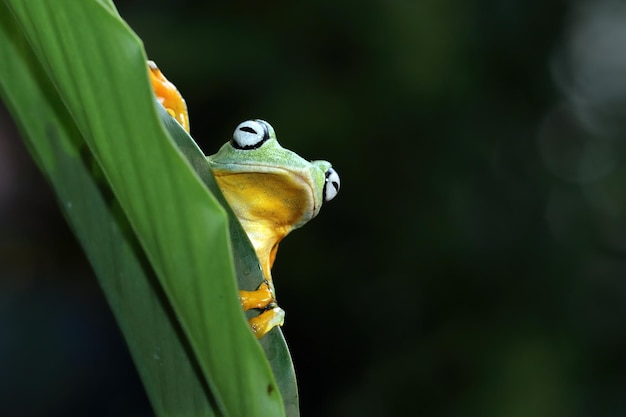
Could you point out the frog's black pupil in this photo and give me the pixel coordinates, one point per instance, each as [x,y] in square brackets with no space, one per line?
[248,129]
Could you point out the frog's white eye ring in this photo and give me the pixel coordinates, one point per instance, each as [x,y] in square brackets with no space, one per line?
[250,134]
[332,184]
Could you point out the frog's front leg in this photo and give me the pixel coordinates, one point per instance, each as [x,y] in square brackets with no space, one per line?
[262,298]
[266,321]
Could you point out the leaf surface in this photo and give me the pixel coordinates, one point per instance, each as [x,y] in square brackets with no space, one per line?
[74,76]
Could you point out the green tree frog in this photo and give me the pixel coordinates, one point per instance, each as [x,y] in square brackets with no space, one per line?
[271,190]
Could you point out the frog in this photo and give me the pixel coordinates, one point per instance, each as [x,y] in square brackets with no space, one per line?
[270,189]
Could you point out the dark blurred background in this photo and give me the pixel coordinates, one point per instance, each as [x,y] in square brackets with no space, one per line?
[474,261]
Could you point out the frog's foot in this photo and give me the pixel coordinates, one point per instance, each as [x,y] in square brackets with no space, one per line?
[262,298]
[266,321]
[168,96]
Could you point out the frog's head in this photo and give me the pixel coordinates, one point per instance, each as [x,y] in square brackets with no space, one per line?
[254,150]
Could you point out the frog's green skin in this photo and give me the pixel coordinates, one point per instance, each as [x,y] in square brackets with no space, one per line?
[272,191]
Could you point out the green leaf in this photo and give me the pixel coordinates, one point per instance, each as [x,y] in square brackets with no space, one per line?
[157,239]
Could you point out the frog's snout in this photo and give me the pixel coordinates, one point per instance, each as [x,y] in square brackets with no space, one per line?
[332,184]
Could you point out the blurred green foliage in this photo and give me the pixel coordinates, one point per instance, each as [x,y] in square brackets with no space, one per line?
[470,265]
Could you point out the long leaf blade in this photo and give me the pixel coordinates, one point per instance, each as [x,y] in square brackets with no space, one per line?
[130,287]
[168,207]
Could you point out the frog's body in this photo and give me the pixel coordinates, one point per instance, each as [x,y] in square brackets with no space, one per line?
[271,190]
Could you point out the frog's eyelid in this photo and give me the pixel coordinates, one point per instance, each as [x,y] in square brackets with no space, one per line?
[266,129]
[331,185]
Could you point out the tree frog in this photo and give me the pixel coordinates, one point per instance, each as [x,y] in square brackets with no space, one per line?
[271,190]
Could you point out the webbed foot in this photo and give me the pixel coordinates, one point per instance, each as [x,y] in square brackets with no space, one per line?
[168,96]
[266,321]
[262,298]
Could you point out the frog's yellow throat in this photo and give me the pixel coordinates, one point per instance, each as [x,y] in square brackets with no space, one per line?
[269,205]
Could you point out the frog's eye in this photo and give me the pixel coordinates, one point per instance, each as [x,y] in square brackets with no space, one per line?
[250,134]
[331,186]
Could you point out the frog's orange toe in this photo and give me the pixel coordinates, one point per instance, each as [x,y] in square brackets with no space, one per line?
[266,321]
[259,298]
